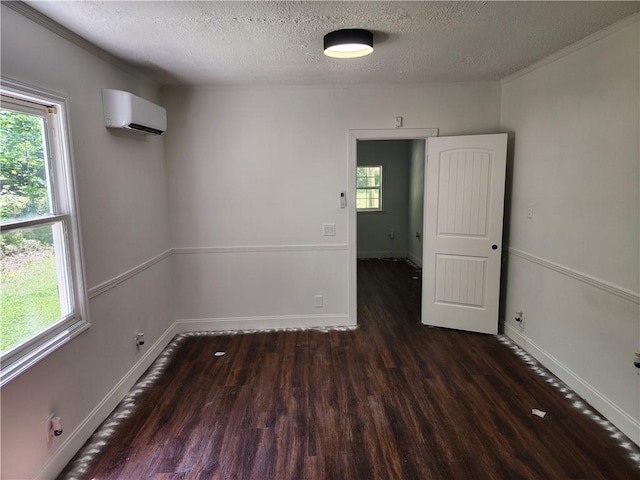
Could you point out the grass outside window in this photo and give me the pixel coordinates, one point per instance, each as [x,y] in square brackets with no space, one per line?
[42,294]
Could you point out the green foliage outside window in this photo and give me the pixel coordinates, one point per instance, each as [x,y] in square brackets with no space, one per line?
[23,177]
[29,299]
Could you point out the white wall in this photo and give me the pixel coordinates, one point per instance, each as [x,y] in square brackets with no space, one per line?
[374,228]
[574,266]
[247,208]
[122,191]
[416,200]
[246,211]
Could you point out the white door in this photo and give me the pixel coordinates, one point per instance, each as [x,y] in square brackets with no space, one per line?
[462,250]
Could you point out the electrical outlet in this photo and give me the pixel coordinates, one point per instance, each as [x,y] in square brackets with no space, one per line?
[54,427]
[520,319]
[318,301]
[328,229]
[48,427]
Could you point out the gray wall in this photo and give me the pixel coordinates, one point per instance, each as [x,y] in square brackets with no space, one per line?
[374,228]
[123,199]
[416,200]
[246,211]
[573,266]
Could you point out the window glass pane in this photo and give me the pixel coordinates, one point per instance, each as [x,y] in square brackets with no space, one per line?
[33,282]
[361,177]
[368,198]
[368,187]
[376,177]
[361,193]
[24,190]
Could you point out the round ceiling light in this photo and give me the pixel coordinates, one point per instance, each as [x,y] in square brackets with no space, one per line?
[348,43]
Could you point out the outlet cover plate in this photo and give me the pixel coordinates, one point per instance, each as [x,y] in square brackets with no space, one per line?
[329,229]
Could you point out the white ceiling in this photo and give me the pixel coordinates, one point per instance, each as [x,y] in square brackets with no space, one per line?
[276,42]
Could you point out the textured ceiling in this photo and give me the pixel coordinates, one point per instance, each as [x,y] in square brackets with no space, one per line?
[274,42]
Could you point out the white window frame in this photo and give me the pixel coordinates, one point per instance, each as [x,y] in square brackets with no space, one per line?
[67,240]
[379,188]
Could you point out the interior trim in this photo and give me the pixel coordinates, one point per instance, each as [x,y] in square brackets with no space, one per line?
[583,277]
[41,19]
[117,280]
[273,322]
[260,248]
[77,438]
[616,415]
[574,47]
[353,135]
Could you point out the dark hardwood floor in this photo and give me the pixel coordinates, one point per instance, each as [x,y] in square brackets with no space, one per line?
[391,400]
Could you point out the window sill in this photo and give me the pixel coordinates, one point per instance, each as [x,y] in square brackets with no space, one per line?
[35,354]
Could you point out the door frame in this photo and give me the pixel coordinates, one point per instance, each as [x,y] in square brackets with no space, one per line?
[354,136]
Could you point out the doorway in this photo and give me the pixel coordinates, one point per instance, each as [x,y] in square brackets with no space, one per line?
[386,225]
[390,199]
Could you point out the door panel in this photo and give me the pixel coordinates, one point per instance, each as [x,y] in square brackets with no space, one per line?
[463,193]
[464,205]
[460,280]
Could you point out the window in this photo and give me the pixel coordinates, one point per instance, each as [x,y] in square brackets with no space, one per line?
[42,297]
[369,189]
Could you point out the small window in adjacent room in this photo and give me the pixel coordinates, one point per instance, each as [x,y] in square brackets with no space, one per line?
[42,299]
[369,188]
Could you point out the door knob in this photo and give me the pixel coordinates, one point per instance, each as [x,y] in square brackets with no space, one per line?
[494,247]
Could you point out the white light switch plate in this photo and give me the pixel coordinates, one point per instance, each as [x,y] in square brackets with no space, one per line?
[329,229]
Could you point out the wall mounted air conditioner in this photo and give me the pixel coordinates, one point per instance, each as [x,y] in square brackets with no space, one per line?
[125,110]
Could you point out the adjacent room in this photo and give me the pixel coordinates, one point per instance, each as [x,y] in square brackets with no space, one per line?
[284,270]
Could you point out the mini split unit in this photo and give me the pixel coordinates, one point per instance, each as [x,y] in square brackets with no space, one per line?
[127,111]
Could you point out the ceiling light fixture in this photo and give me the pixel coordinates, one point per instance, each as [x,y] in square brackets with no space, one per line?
[348,43]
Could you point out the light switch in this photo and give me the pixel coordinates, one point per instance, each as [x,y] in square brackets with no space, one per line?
[329,229]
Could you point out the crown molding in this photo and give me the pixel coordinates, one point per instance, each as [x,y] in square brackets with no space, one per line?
[41,19]
[574,47]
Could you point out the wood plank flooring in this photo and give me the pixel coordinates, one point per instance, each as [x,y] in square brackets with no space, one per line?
[391,400]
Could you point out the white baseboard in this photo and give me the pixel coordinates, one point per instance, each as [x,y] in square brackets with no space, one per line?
[410,256]
[88,426]
[622,420]
[263,323]
[414,259]
[387,254]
